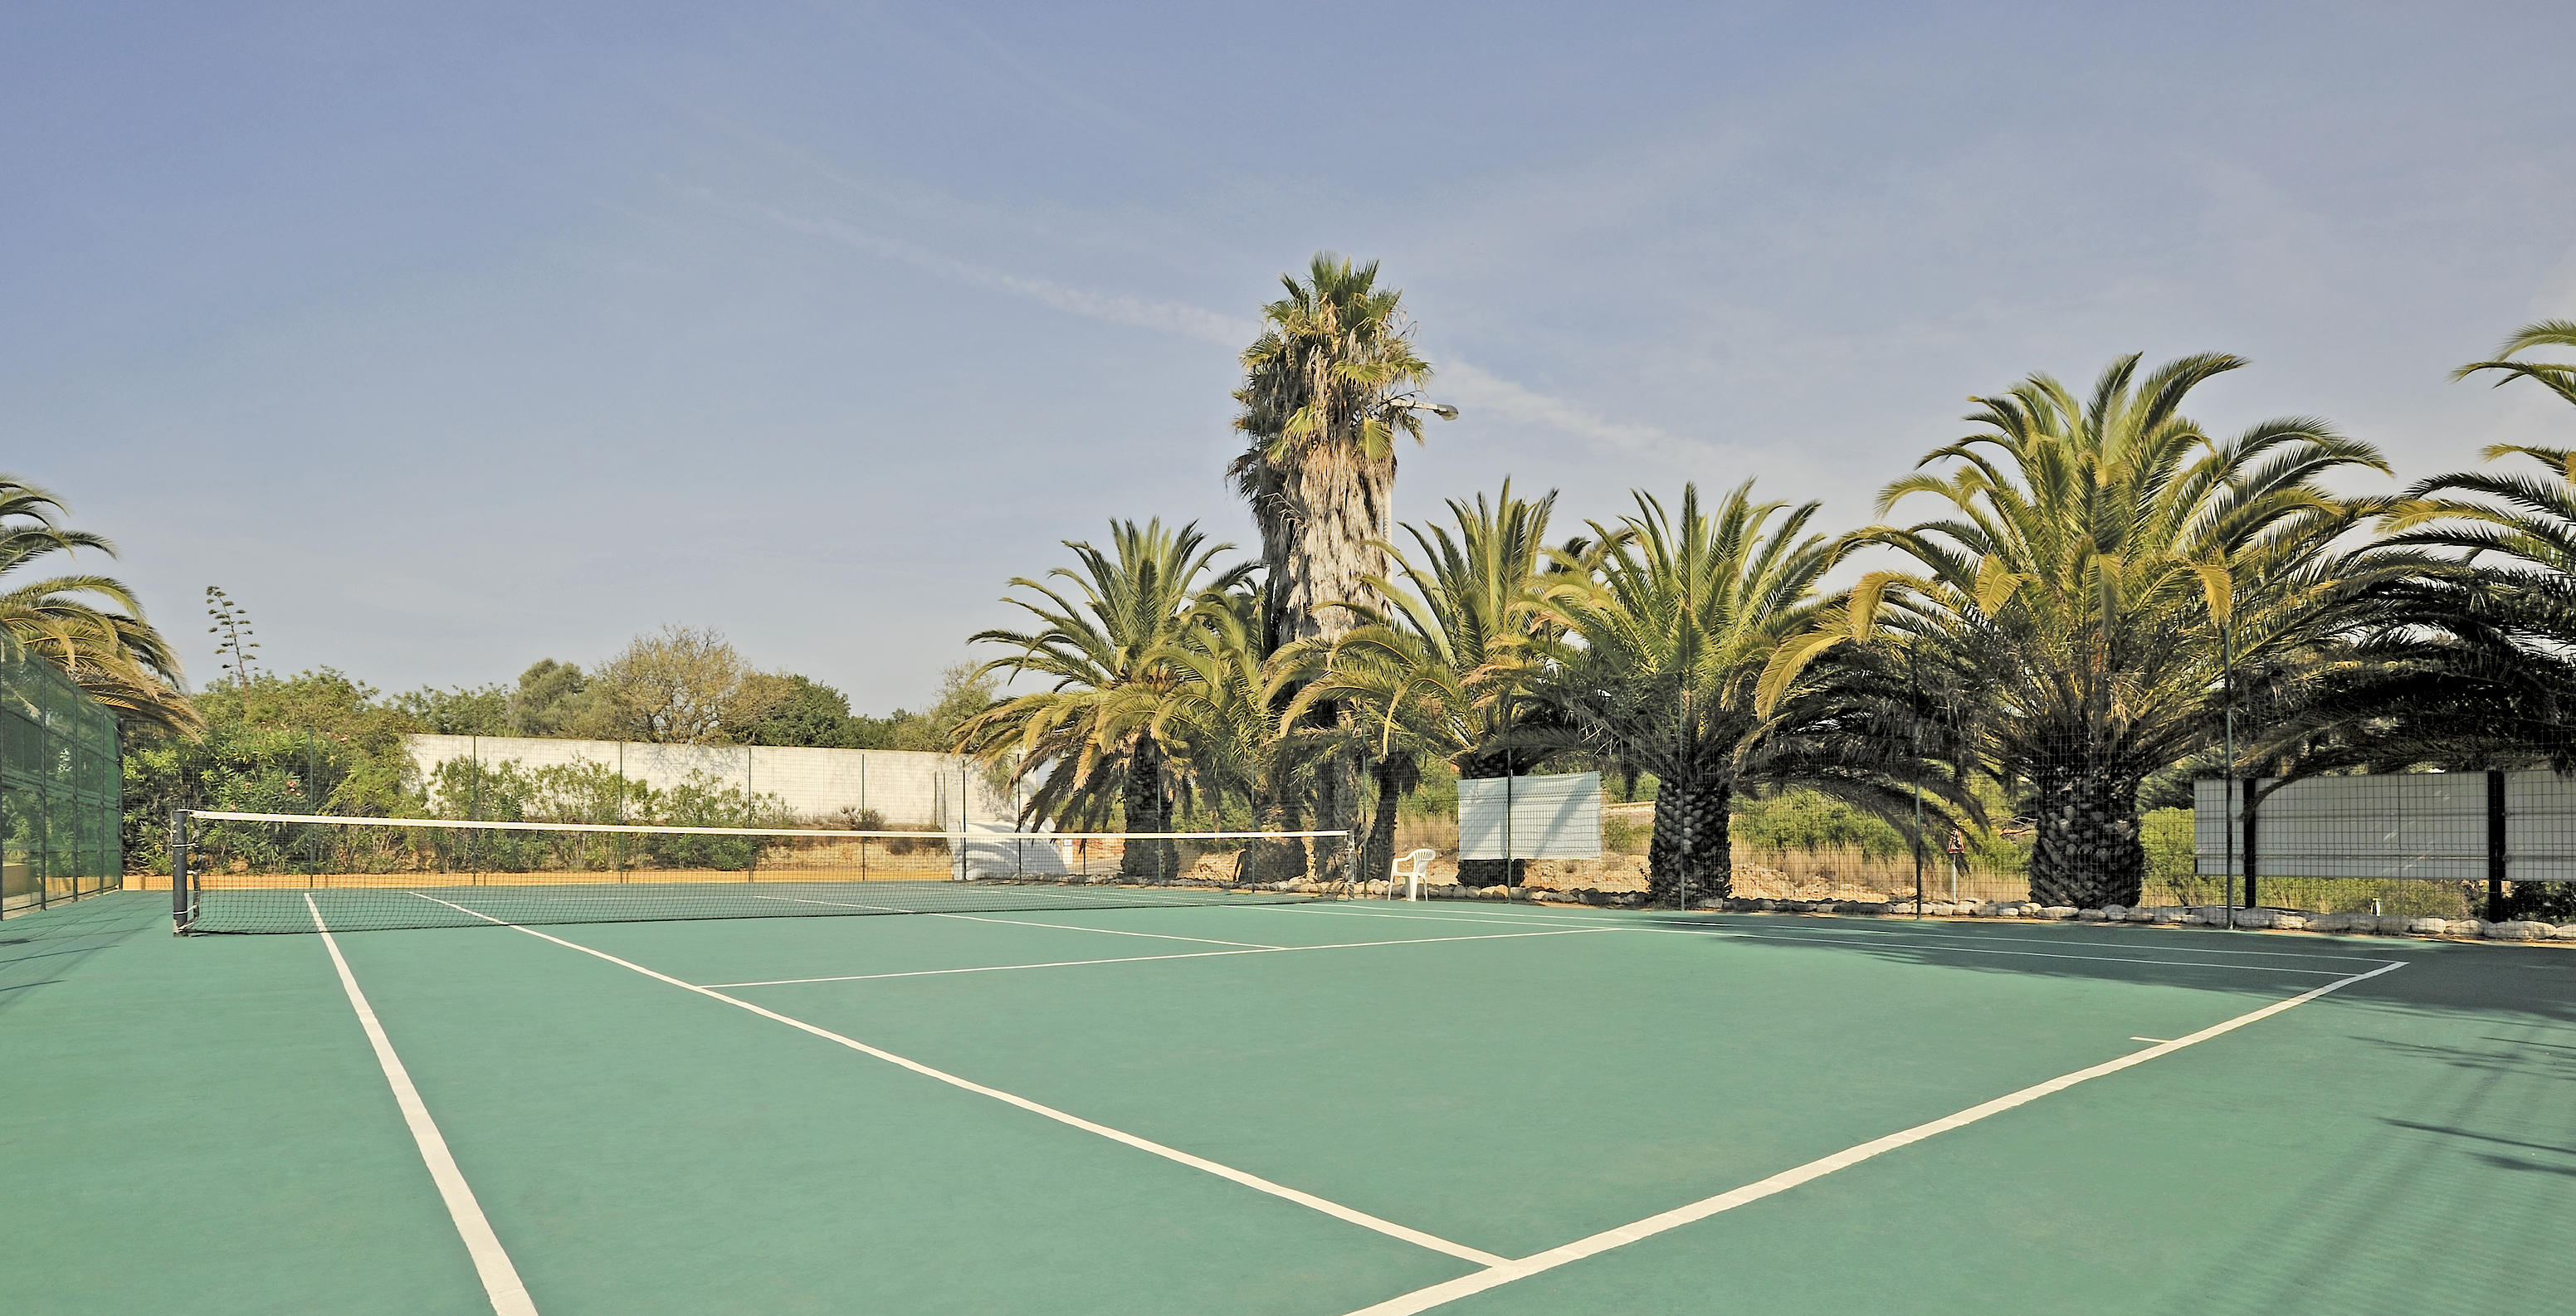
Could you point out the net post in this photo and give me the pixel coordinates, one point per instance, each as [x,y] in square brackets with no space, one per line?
[180,912]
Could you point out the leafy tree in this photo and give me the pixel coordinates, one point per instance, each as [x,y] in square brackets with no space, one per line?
[556,699]
[795,710]
[2091,555]
[1095,736]
[90,626]
[458,711]
[682,686]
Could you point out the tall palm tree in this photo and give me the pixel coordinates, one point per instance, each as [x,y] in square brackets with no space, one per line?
[1325,394]
[1444,671]
[90,626]
[1319,462]
[2096,562]
[1096,736]
[1687,615]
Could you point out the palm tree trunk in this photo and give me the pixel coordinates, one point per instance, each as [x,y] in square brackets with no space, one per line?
[1378,857]
[1148,810]
[2090,852]
[1691,842]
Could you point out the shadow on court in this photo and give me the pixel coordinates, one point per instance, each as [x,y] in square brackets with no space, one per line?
[2509,983]
[44,947]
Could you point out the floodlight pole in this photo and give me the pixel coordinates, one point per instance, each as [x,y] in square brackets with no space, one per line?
[2227,793]
[1914,766]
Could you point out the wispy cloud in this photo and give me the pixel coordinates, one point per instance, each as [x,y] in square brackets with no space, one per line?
[1179,318]
[1511,402]
[1487,393]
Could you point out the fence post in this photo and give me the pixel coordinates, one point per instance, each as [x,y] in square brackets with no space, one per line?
[2253,786]
[2495,844]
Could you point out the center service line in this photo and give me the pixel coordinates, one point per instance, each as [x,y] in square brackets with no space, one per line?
[1425,1299]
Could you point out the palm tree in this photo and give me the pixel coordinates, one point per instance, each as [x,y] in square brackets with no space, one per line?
[2467,664]
[90,626]
[1687,616]
[1325,392]
[1444,671]
[1096,736]
[2097,562]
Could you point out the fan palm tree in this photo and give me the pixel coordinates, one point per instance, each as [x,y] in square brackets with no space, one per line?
[1685,618]
[1326,391]
[90,626]
[1444,671]
[2096,563]
[1095,736]
[1319,464]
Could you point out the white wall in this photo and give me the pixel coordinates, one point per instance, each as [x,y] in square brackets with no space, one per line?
[905,786]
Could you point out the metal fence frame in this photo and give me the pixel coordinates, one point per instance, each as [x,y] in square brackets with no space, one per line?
[61,787]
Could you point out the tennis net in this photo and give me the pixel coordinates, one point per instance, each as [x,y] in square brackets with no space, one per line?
[269,872]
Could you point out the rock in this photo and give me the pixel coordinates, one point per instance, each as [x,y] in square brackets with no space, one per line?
[2566,932]
[2255,918]
[2520,930]
[2425,927]
[2329,922]
[2141,916]
[2288,922]
[2058,911]
[2168,914]
[1877,907]
[2465,927]
[2394,925]
[2092,915]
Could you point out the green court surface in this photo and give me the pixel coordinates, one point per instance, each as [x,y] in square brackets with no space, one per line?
[1313,1110]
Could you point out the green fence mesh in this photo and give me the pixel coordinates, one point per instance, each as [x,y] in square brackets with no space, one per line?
[59,786]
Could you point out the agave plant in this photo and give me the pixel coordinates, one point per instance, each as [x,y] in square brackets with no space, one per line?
[2099,565]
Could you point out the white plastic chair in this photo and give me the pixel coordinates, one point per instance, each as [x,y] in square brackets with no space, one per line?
[1421,862]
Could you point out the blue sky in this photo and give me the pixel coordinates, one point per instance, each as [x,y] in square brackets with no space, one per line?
[448,337]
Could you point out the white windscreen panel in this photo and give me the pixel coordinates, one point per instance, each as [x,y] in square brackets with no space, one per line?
[2430,825]
[1555,817]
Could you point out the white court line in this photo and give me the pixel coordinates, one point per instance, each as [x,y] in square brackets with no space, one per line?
[1424,1299]
[501,1282]
[1024,923]
[1766,934]
[1144,959]
[1253,1181]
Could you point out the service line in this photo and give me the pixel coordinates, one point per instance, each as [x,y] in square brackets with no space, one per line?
[1334,1209]
[1145,959]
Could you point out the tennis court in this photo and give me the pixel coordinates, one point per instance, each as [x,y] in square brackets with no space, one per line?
[1321,1109]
